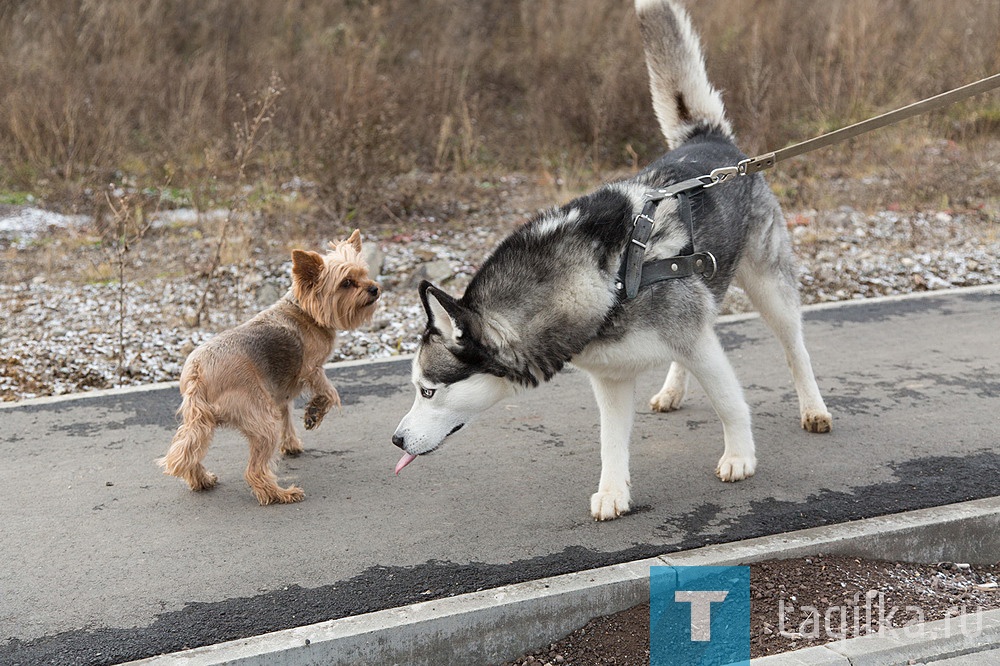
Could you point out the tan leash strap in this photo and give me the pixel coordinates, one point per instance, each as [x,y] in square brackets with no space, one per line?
[768,160]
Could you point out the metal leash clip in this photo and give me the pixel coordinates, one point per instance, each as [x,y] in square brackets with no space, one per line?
[721,175]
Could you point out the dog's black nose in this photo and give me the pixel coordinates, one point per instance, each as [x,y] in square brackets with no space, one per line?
[398,441]
[373,290]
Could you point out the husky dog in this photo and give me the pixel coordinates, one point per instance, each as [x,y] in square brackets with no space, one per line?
[551,293]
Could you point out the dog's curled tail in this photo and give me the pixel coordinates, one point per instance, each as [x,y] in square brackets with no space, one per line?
[683,98]
[190,442]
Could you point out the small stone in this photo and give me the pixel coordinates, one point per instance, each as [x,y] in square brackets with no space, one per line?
[374,257]
[268,294]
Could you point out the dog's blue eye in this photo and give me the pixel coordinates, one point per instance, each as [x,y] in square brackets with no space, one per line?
[427,393]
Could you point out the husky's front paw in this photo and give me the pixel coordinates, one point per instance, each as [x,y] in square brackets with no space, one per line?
[735,468]
[668,400]
[609,504]
[817,421]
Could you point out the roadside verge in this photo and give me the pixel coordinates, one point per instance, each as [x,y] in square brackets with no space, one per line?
[493,626]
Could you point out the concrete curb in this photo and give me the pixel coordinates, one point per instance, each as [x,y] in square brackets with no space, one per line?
[497,625]
[472,627]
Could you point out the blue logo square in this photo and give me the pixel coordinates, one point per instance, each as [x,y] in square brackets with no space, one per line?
[699,616]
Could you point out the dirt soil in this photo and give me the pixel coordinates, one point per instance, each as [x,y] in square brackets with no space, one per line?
[790,601]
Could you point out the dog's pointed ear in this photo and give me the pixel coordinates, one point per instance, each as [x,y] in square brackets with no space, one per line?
[355,240]
[444,313]
[306,267]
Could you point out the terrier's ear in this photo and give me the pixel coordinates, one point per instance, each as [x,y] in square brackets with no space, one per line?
[444,313]
[355,240]
[306,267]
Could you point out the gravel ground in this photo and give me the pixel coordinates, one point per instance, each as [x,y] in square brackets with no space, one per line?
[62,330]
[61,335]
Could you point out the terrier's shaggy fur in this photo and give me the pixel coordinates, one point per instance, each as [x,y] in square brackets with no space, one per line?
[247,377]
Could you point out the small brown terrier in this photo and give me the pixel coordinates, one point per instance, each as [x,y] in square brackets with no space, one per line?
[247,377]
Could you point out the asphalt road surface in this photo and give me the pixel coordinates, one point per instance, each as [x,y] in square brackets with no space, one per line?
[103,559]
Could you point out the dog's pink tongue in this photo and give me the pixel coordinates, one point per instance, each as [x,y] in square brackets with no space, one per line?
[404,461]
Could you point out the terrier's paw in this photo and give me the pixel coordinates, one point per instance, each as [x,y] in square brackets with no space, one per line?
[735,468]
[609,504]
[817,421]
[315,411]
[291,448]
[203,481]
[291,494]
[666,401]
[277,495]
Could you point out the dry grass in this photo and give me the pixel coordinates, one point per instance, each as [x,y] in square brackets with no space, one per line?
[374,88]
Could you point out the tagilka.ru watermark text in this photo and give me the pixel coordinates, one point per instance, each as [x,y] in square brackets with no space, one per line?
[868,614]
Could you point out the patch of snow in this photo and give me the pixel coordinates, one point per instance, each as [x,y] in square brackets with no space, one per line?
[28,222]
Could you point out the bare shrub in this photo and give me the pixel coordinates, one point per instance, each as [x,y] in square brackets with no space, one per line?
[126,229]
[248,134]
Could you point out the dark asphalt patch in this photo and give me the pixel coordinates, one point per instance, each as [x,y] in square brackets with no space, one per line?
[923,483]
[157,407]
[377,380]
[733,340]
[861,313]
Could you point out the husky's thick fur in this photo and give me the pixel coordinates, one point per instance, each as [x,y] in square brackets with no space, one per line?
[548,293]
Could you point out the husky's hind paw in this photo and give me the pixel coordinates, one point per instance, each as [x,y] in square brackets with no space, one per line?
[666,401]
[609,504]
[817,421]
[735,468]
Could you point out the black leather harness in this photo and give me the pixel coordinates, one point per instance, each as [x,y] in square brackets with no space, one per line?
[633,274]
